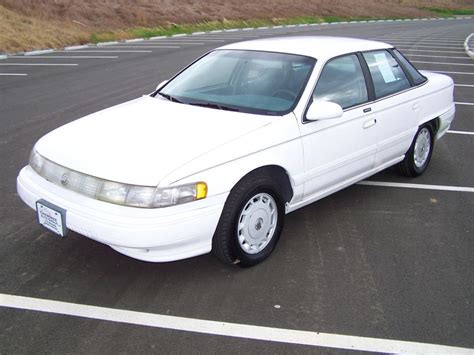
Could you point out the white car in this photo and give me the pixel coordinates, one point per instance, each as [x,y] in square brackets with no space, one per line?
[216,156]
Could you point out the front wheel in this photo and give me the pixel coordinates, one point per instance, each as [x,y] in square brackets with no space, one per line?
[251,222]
[419,155]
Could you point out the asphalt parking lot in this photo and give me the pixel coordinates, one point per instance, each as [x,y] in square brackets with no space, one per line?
[386,265]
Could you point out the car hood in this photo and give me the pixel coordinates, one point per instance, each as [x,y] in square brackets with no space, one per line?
[141,141]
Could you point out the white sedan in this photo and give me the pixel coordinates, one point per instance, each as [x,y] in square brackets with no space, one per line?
[216,156]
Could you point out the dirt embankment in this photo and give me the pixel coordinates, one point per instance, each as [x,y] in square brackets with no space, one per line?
[27,24]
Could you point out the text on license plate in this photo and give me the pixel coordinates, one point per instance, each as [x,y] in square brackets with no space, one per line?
[51,217]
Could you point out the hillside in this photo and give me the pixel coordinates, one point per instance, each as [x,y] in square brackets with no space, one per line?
[30,24]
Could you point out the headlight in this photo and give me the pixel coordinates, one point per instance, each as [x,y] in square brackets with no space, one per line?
[115,192]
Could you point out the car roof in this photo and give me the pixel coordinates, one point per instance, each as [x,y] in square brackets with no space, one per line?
[319,47]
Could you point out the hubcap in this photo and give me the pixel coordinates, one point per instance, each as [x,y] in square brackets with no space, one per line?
[257,223]
[422,147]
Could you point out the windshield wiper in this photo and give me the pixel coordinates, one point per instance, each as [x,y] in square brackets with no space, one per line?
[169,97]
[213,105]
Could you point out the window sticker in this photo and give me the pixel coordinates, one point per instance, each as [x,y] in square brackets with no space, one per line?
[384,68]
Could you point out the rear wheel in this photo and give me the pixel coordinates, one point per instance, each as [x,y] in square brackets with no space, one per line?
[251,222]
[419,155]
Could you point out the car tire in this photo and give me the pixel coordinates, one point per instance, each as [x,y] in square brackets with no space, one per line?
[418,157]
[251,222]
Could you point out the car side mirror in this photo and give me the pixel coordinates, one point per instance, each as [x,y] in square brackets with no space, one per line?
[160,85]
[323,110]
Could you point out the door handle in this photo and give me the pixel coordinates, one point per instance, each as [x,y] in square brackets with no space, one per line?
[369,123]
[368,109]
[415,106]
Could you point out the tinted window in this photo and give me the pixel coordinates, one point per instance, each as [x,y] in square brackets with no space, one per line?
[387,75]
[342,81]
[415,75]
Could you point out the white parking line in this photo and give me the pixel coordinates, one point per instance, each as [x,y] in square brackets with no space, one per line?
[66,57]
[462,132]
[144,47]
[437,56]
[416,186]
[12,74]
[427,41]
[105,51]
[42,64]
[171,43]
[236,330]
[441,63]
[189,40]
[424,38]
[465,103]
[452,72]
[405,49]
[239,36]
[427,44]
[465,85]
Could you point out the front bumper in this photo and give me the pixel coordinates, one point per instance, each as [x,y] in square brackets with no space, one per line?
[157,235]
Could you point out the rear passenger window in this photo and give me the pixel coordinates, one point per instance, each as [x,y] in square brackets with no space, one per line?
[342,81]
[415,75]
[386,73]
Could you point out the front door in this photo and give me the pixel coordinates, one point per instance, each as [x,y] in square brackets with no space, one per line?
[338,150]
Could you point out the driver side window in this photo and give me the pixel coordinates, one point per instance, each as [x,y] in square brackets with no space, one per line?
[342,81]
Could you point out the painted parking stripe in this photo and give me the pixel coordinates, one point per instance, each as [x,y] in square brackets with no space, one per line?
[42,64]
[416,41]
[427,45]
[442,63]
[184,40]
[465,103]
[66,57]
[465,85]
[452,72]
[236,330]
[433,47]
[438,56]
[240,36]
[454,38]
[147,47]
[198,39]
[406,49]
[416,186]
[105,51]
[163,44]
[175,43]
[427,41]
[462,132]
[13,74]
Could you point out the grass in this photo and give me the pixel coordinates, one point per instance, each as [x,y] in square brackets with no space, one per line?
[450,12]
[147,32]
[19,32]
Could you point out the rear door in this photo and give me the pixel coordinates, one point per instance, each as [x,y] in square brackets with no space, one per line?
[396,106]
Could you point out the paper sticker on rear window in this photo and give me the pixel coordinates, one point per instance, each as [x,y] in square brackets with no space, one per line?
[384,67]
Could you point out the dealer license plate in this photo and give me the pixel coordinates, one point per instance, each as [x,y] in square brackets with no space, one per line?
[52,217]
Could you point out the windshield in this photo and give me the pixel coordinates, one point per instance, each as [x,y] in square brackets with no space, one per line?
[246,81]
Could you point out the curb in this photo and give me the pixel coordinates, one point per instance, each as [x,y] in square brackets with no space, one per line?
[73,48]
[101,44]
[134,40]
[468,50]
[42,51]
